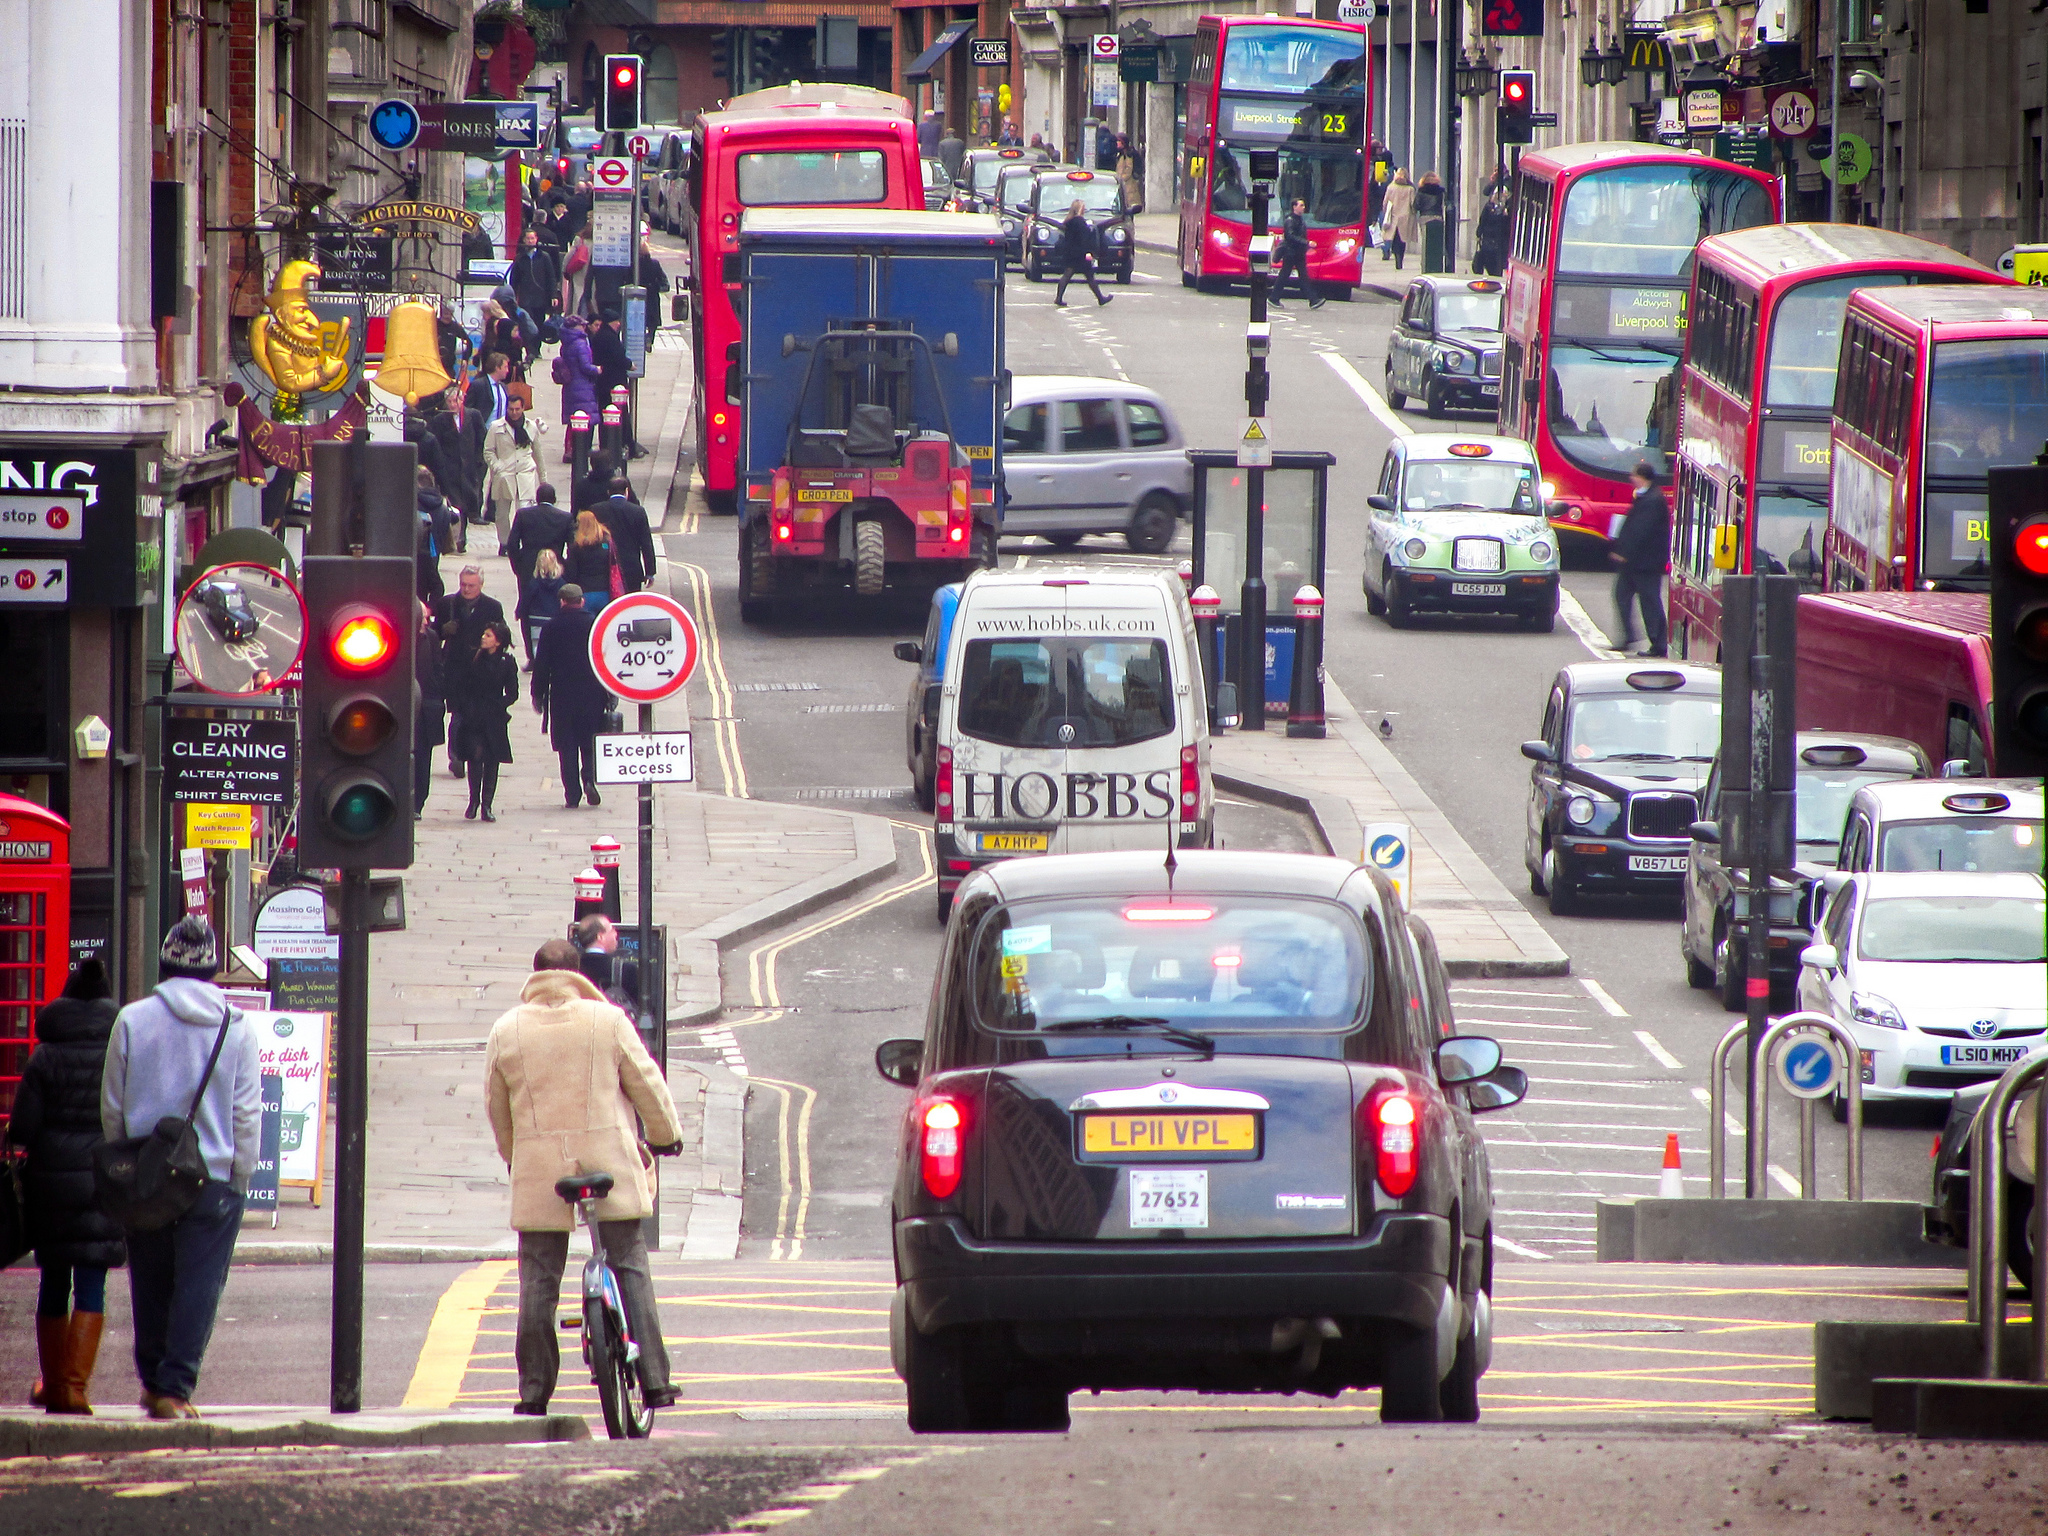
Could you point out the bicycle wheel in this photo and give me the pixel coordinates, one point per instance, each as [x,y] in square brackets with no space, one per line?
[601,1341]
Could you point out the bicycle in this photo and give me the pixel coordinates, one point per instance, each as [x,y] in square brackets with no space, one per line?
[608,1346]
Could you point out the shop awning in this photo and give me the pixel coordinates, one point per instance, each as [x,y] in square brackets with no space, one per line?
[921,67]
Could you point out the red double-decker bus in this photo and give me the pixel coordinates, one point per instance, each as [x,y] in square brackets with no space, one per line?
[1765,332]
[794,146]
[1598,275]
[1296,87]
[1937,387]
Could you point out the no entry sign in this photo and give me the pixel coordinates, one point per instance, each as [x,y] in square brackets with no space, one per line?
[644,647]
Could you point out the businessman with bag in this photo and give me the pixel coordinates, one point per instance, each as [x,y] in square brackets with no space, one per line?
[182,1108]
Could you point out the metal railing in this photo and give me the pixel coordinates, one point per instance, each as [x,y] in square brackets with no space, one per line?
[1775,1039]
[1988,1220]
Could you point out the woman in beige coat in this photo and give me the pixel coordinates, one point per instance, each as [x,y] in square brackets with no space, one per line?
[512,457]
[566,1075]
[1397,216]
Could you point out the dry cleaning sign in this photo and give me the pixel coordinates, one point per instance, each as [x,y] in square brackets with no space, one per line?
[234,762]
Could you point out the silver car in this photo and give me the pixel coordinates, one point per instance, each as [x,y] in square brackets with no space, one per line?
[1084,456]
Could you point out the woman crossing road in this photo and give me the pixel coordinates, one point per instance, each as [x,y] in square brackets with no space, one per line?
[1076,253]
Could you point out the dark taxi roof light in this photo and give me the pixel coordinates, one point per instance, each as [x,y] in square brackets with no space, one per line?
[1483,285]
[1843,756]
[1080,175]
[1656,682]
[1166,912]
[1472,450]
[1066,581]
[1977,805]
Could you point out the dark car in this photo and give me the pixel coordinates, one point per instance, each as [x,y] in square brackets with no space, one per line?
[1011,202]
[1188,1124]
[1446,348]
[1615,788]
[1947,1220]
[975,187]
[1053,195]
[1830,767]
[921,714]
[227,609]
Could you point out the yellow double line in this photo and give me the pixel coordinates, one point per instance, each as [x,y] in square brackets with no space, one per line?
[725,731]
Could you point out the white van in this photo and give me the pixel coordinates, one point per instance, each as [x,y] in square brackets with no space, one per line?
[1071,719]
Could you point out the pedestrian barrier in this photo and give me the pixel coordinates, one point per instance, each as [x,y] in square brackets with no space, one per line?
[1775,1042]
[1988,1221]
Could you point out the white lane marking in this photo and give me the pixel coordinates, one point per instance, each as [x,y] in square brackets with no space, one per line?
[1518,1023]
[1598,1174]
[1374,400]
[1601,996]
[1785,1181]
[1587,1082]
[1557,1045]
[1501,1210]
[1517,1248]
[1594,1125]
[1514,992]
[1589,1146]
[1548,1103]
[1580,623]
[1584,1066]
[1530,1007]
[1734,1125]
[1664,1057]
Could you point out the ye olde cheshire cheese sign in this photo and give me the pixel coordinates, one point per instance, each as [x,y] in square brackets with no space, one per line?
[234,762]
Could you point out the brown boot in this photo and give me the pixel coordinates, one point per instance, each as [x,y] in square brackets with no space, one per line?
[53,1349]
[82,1355]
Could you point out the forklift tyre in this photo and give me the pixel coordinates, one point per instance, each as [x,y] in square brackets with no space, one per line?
[869,566]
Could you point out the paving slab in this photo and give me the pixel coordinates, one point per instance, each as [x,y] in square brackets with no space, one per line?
[128,1432]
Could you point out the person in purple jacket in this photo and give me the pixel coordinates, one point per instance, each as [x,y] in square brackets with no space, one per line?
[577,374]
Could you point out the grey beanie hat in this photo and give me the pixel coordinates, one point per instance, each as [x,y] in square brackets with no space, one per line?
[190,946]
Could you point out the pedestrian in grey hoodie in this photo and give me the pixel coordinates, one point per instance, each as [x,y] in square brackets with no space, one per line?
[155,1063]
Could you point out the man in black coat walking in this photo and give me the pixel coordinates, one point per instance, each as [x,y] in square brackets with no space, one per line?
[460,619]
[567,691]
[608,351]
[543,525]
[1294,255]
[632,540]
[57,1118]
[1076,254]
[1641,551]
[536,277]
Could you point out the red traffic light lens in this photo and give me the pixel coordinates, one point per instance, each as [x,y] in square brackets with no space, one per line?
[623,75]
[2030,547]
[1516,90]
[361,640]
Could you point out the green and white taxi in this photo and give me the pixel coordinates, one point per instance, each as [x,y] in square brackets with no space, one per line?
[1458,525]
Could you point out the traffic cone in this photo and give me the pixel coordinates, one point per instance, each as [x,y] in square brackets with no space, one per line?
[1670,1186]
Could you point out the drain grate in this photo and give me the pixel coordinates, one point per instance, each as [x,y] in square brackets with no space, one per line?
[838,792]
[1591,1327]
[850,709]
[777,687]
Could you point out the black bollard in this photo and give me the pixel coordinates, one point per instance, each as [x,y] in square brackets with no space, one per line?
[579,446]
[609,435]
[1208,607]
[1305,692]
[604,858]
[589,897]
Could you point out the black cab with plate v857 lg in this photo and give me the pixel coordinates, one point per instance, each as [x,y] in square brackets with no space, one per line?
[1189,1123]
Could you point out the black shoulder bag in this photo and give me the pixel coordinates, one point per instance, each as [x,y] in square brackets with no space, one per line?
[148,1182]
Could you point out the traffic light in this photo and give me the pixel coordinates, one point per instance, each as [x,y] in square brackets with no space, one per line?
[2018,546]
[356,713]
[721,54]
[621,93]
[1515,121]
[563,165]
[763,48]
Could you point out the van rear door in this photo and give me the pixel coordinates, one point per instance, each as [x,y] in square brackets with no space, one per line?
[1125,708]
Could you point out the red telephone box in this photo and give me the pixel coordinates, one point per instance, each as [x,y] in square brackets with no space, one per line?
[35,927]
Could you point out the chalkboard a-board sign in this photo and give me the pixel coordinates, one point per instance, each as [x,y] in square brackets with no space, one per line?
[305,986]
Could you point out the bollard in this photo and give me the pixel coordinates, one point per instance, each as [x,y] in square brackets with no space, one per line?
[604,858]
[1208,608]
[1187,575]
[589,885]
[1767,1049]
[1717,1112]
[622,401]
[608,434]
[579,446]
[1305,692]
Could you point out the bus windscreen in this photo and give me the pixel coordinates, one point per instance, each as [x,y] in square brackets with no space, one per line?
[1806,338]
[1294,60]
[1645,220]
[1987,405]
[1333,186]
[804,177]
[1612,406]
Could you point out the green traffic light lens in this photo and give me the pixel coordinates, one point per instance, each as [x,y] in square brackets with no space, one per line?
[2030,718]
[360,809]
[2030,634]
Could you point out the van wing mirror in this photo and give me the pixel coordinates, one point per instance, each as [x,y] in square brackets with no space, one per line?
[900,1061]
[1380,503]
[909,650]
[1227,716]
[679,308]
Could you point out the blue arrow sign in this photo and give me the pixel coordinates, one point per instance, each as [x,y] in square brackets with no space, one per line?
[1809,1067]
[1387,850]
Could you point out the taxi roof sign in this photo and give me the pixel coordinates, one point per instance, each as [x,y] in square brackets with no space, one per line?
[1472,450]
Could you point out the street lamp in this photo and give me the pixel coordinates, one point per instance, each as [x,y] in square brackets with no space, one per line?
[1474,77]
[1615,60]
[1592,67]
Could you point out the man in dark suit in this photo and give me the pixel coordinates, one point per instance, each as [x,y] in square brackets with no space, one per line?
[540,526]
[486,391]
[566,689]
[536,277]
[1642,550]
[632,539]
[608,351]
[460,619]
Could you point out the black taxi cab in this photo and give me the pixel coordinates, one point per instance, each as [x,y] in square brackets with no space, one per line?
[1101,196]
[1189,1122]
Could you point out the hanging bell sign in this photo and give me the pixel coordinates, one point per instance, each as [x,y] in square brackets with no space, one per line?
[412,354]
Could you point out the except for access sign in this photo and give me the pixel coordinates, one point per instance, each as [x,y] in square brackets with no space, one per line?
[646,757]
[644,646]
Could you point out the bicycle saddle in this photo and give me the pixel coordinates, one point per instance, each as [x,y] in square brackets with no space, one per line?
[584,1186]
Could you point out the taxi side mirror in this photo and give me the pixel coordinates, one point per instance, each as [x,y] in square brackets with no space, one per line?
[900,1061]
[1466,1059]
[1704,832]
[1822,957]
[1500,1088]
[1380,503]
[909,650]
[1538,752]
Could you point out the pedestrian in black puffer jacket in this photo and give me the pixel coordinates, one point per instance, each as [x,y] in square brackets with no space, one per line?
[57,1118]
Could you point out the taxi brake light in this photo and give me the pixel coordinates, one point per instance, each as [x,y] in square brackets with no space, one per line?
[941,1125]
[1391,1118]
[1168,914]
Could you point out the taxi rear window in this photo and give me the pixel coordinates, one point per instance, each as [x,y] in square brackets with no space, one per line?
[1086,969]
[1980,844]
[1065,692]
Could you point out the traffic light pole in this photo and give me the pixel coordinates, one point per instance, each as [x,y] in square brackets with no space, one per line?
[1251,643]
[1757,826]
[352,1113]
